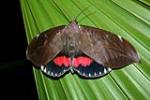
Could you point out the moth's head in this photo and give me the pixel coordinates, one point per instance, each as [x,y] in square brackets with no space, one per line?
[73,26]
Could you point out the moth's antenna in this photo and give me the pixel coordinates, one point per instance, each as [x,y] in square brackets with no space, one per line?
[83,10]
[86,16]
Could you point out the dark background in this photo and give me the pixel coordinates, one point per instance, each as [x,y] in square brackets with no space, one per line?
[16,75]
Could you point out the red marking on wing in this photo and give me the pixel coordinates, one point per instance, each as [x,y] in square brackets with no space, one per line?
[62,60]
[83,61]
[76,62]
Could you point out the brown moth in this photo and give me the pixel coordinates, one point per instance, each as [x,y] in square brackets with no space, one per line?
[91,52]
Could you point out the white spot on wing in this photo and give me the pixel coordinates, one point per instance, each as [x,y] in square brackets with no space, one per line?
[120,38]
[42,67]
[89,74]
[37,35]
[105,71]
[83,74]
[48,72]
[99,73]
[79,26]
[45,70]
[52,73]
[109,69]
[59,73]
[55,74]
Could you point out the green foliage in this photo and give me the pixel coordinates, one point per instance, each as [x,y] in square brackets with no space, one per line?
[129,18]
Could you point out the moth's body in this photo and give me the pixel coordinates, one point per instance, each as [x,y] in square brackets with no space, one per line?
[88,51]
[71,37]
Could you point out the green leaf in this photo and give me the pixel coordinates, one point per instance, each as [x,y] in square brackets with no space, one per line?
[130,19]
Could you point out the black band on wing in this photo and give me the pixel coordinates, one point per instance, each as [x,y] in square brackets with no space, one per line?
[93,71]
[52,70]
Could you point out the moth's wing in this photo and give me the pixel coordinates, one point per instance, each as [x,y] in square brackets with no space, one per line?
[58,66]
[92,69]
[106,48]
[46,46]
[53,70]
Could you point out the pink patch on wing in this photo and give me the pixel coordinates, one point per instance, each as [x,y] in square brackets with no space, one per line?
[83,61]
[62,60]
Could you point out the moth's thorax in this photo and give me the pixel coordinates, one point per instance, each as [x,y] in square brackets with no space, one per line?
[71,38]
[74,27]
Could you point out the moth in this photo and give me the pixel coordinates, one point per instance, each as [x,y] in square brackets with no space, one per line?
[88,51]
